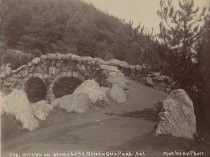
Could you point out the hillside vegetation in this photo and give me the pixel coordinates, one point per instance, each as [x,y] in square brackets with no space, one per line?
[50,26]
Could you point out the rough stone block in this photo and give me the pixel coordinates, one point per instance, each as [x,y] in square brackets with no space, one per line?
[177,116]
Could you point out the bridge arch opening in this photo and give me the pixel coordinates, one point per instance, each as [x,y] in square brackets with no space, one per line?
[65,86]
[35,89]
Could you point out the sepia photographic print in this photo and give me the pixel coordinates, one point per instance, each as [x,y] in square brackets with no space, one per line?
[105,78]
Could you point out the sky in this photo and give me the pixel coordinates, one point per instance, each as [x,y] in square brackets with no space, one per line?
[139,11]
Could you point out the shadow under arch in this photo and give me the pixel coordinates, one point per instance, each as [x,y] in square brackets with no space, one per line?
[35,88]
[65,84]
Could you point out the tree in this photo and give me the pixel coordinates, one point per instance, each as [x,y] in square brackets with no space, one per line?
[181,29]
[206,77]
[144,49]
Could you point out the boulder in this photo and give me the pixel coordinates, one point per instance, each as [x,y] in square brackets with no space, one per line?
[117,94]
[41,109]
[118,78]
[93,90]
[17,104]
[74,103]
[177,116]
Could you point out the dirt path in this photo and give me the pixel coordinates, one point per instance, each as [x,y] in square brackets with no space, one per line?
[105,129]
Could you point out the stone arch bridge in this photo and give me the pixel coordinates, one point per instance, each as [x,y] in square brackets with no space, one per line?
[51,68]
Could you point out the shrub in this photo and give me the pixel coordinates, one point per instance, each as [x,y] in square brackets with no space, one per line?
[15,57]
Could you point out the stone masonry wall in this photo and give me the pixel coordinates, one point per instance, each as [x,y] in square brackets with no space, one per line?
[51,67]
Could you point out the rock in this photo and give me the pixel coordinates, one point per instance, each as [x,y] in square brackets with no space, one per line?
[149,81]
[74,103]
[88,60]
[109,68]
[138,67]
[156,74]
[116,62]
[93,90]
[117,94]
[35,61]
[43,57]
[99,61]
[76,58]
[25,73]
[177,116]
[82,68]
[132,67]
[41,109]
[51,56]
[17,104]
[118,78]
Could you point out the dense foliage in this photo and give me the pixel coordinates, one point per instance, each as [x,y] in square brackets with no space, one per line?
[50,26]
